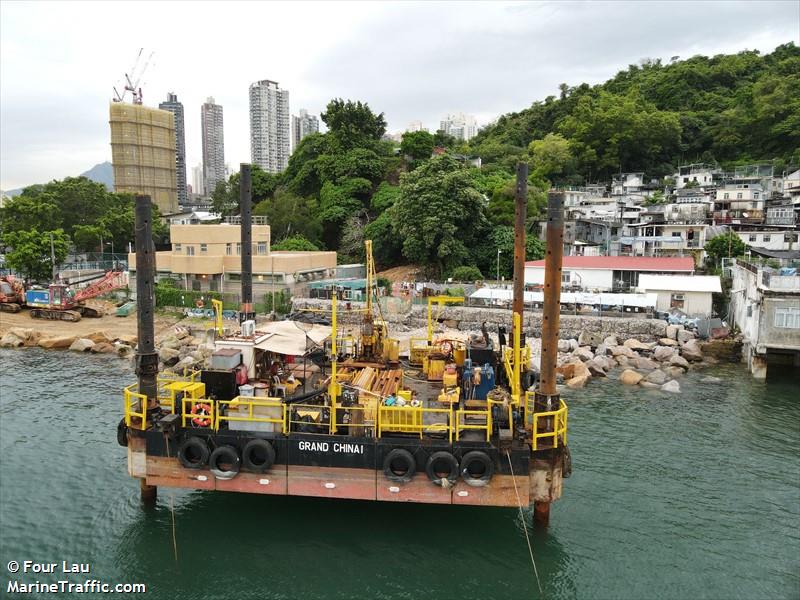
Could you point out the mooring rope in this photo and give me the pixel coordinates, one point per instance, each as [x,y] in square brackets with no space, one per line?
[524,525]
[172,507]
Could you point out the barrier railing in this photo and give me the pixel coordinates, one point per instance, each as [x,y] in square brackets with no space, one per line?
[356,420]
[232,411]
[463,415]
[412,419]
[307,417]
[203,415]
[555,429]
[131,399]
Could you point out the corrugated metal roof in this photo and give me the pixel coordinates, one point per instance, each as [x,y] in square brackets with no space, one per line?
[506,295]
[624,263]
[681,283]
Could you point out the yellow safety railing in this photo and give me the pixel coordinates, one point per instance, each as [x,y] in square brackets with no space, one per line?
[418,348]
[462,425]
[359,419]
[551,424]
[297,412]
[132,400]
[250,405]
[412,419]
[188,419]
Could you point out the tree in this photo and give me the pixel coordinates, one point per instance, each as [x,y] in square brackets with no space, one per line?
[289,215]
[387,248]
[25,212]
[296,243]
[439,215]
[353,124]
[31,252]
[551,157]
[726,245]
[466,273]
[384,197]
[656,197]
[417,144]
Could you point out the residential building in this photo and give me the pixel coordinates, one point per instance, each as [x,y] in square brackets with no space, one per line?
[608,273]
[303,125]
[765,306]
[192,217]
[665,239]
[690,294]
[782,214]
[739,202]
[213,145]
[460,126]
[698,175]
[208,258]
[269,126]
[626,184]
[770,239]
[143,153]
[416,126]
[198,181]
[176,108]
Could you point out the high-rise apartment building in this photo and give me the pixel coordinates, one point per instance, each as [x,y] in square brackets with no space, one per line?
[460,126]
[416,126]
[198,181]
[213,145]
[270,142]
[143,153]
[176,108]
[302,126]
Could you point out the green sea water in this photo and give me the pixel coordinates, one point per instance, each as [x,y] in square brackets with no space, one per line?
[694,495]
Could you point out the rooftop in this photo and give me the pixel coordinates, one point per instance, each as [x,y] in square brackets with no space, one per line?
[624,263]
[685,283]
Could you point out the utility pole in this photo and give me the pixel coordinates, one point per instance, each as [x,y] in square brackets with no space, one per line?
[53,256]
[498,264]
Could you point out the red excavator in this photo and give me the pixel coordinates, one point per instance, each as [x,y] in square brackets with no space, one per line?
[12,294]
[59,302]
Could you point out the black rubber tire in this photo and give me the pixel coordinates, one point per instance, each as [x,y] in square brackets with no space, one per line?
[471,478]
[450,462]
[255,449]
[193,453]
[122,433]
[409,465]
[225,455]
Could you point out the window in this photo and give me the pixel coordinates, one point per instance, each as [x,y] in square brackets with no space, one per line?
[189,250]
[203,247]
[754,205]
[752,237]
[766,237]
[676,301]
[239,248]
[726,196]
[755,195]
[229,249]
[262,247]
[787,318]
[178,248]
[685,180]
[676,234]
[738,195]
[565,276]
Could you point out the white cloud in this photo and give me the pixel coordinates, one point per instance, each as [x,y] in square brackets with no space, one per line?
[59,61]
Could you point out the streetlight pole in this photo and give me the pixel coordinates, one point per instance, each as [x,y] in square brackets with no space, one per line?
[499,252]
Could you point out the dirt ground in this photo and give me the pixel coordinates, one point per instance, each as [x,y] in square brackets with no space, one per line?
[110,323]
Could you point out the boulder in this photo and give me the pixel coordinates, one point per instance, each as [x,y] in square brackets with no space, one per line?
[573,344]
[187,362]
[672,331]
[656,377]
[642,363]
[679,361]
[646,384]
[611,340]
[635,344]
[9,340]
[673,387]
[589,339]
[622,361]
[102,348]
[81,345]
[563,345]
[691,351]
[601,350]
[578,382]
[64,341]
[584,353]
[667,342]
[674,372]
[573,369]
[124,350]
[169,356]
[618,351]
[596,368]
[100,336]
[29,337]
[128,339]
[181,333]
[663,353]
[606,362]
[559,378]
[630,377]
[171,342]
[684,336]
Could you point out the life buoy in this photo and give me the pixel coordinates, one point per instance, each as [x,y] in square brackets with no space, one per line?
[442,469]
[199,304]
[399,465]
[202,410]
[258,456]
[477,468]
[445,348]
[224,462]
[193,453]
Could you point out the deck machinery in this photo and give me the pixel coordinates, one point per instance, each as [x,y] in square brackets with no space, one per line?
[369,430]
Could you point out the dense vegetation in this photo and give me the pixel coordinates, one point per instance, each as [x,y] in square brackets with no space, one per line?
[77,212]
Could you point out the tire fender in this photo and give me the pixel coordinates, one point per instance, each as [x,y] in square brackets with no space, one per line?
[255,448]
[406,458]
[483,459]
[225,455]
[434,464]
[193,453]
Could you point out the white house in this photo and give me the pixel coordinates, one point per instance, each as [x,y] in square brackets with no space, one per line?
[607,273]
[770,239]
[688,293]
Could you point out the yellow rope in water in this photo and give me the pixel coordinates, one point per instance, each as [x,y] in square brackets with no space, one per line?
[524,525]
[172,508]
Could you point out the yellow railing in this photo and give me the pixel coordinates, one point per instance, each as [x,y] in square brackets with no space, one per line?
[411,419]
[551,424]
[297,412]
[358,419]
[188,419]
[251,405]
[132,399]
[462,425]
[418,348]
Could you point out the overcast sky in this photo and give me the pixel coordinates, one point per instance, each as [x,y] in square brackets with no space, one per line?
[59,61]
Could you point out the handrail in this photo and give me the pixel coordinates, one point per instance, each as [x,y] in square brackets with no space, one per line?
[557,429]
[187,416]
[475,413]
[250,402]
[411,419]
[289,422]
[130,397]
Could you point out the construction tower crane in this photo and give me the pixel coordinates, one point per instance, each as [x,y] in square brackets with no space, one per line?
[133,80]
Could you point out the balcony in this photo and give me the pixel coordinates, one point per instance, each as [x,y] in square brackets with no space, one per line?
[780,283]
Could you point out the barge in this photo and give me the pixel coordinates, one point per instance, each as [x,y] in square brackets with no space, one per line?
[465,422]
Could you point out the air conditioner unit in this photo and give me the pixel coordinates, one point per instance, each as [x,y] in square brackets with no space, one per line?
[248,328]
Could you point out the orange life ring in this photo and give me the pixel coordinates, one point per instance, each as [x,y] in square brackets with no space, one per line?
[199,304]
[445,347]
[203,412]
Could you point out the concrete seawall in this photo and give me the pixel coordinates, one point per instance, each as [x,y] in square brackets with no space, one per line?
[467,318]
